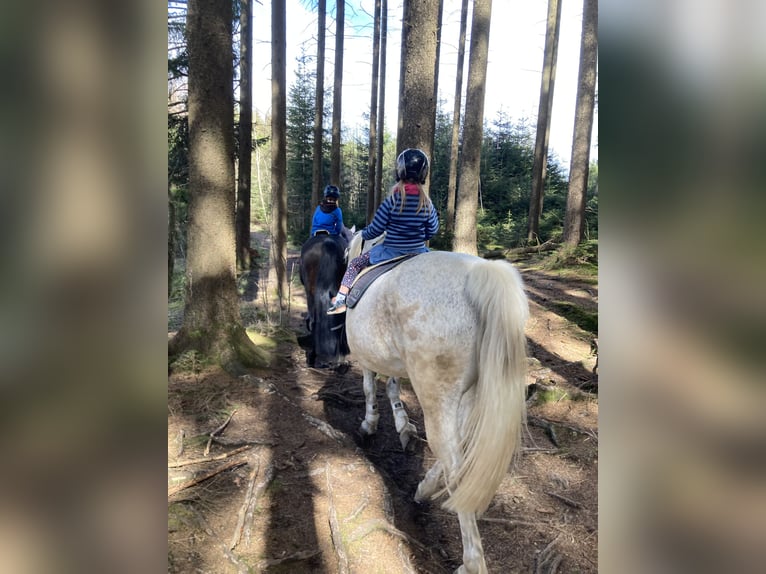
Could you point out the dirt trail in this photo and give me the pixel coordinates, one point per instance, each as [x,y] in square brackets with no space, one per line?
[324,501]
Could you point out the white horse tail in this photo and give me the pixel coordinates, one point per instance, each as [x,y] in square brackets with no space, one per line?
[491,427]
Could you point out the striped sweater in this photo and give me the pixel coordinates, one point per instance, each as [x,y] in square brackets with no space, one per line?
[406,231]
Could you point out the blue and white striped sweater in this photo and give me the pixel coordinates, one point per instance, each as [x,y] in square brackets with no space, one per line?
[406,231]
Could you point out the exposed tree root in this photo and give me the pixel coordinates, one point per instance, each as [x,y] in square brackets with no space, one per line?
[203,477]
[335,532]
[223,456]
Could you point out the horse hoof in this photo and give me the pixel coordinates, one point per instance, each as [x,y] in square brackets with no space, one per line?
[405,437]
[366,430]
[343,368]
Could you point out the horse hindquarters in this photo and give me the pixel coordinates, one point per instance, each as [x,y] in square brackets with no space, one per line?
[492,427]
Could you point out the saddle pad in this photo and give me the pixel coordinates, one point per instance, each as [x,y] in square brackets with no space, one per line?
[368,275]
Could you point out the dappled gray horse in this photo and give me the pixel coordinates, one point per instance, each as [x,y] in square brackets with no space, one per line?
[454,325]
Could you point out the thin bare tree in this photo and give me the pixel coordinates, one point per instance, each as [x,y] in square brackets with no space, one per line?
[473,131]
[579,166]
[245,150]
[337,98]
[317,166]
[278,270]
[381,104]
[372,156]
[454,145]
[540,162]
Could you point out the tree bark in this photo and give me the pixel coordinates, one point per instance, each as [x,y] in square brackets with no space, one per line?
[316,174]
[372,156]
[574,221]
[547,82]
[242,221]
[340,17]
[454,146]
[278,272]
[171,241]
[212,323]
[417,80]
[382,104]
[473,132]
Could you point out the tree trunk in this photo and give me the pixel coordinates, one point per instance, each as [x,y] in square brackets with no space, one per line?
[245,135]
[382,104]
[278,274]
[372,156]
[417,80]
[316,174]
[454,146]
[212,323]
[574,221]
[171,240]
[473,131]
[540,163]
[337,94]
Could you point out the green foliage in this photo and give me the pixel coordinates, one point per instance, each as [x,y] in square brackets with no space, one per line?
[582,259]
[300,142]
[506,182]
[586,320]
[178,178]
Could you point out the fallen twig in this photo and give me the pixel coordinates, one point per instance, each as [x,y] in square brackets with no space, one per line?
[547,554]
[547,426]
[216,431]
[204,476]
[565,500]
[508,522]
[244,442]
[181,463]
[543,422]
[531,449]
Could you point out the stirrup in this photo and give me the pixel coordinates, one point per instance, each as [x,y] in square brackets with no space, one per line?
[337,307]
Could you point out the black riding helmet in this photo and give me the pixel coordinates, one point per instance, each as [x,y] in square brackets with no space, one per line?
[331,191]
[412,165]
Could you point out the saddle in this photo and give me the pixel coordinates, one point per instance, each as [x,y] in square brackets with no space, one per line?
[368,275]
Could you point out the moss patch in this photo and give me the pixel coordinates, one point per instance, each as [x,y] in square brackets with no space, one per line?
[586,320]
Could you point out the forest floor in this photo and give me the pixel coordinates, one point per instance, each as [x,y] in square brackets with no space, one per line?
[288,484]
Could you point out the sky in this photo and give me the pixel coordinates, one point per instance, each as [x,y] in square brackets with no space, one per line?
[516,43]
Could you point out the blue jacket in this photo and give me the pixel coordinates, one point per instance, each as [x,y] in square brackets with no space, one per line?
[406,231]
[331,222]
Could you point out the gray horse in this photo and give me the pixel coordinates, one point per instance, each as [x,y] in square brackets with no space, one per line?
[454,325]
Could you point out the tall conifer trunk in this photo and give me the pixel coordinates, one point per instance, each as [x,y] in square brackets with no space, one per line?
[574,221]
[473,132]
[542,136]
[212,323]
[245,135]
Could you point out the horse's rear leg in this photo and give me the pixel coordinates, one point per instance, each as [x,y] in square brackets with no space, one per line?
[430,483]
[473,552]
[371,416]
[404,427]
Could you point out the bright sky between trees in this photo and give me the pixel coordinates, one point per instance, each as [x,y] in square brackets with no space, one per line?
[517,39]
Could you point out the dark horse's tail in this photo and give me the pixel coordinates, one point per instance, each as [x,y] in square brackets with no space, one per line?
[322,268]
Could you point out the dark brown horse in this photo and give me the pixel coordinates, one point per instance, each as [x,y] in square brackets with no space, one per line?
[323,262]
